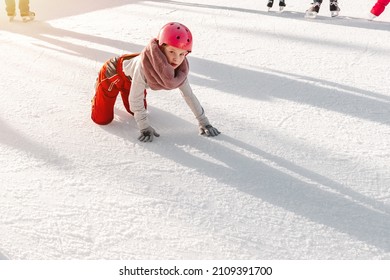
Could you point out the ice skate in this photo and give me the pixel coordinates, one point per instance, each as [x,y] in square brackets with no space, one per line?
[11,17]
[282,5]
[371,16]
[313,10]
[334,8]
[270,4]
[28,17]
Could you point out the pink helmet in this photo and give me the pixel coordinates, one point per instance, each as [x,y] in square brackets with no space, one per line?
[176,35]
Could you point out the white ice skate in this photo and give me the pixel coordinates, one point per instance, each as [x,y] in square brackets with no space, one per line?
[29,17]
[270,4]
[371,17]
[313,10]
[334,8]
[282,5]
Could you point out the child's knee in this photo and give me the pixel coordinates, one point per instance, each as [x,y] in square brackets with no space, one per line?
[102,109]
[101,117]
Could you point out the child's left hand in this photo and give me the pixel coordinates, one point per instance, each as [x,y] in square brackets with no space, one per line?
[147,134]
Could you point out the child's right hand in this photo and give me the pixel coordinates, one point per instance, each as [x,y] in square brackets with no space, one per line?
[147,134]
[208,130]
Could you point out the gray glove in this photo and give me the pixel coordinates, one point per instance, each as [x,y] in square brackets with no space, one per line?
[147,134]
[208,130]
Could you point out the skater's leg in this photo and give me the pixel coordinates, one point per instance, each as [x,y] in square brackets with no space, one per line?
[125,99]
[10,7]
[25,13]
[104,100]
[282,4]
[379,7]
[24,7]
[334,8]
[313,10]
[125,84]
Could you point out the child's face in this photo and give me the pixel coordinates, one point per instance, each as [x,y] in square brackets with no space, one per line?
[174,55]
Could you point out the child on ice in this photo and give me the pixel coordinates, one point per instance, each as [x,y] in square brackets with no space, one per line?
[378,8]
[162,64]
